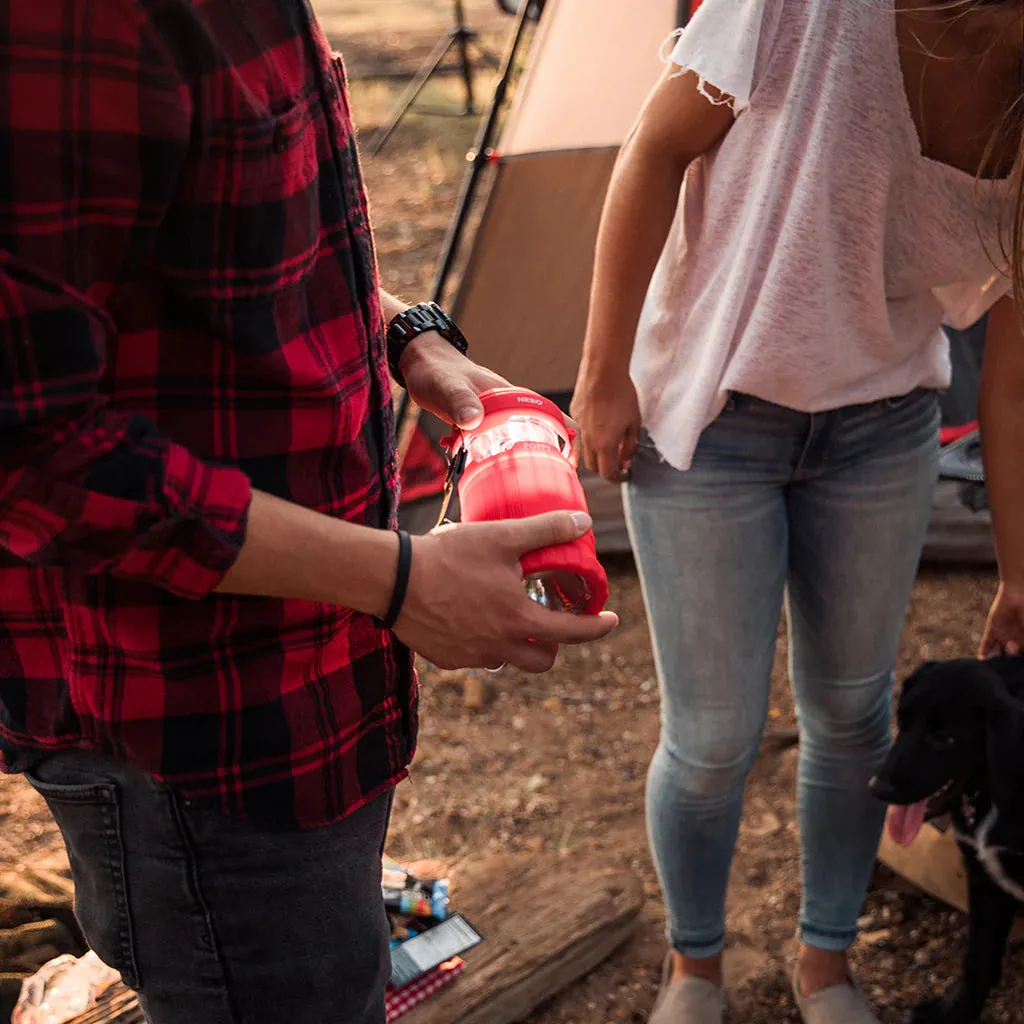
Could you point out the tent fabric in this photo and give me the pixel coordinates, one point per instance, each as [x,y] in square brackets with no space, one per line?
[592,65]
[522,301]
[424,468]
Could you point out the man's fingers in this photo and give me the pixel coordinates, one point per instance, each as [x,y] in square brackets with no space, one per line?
[544,531]
[530,657]
[565,628]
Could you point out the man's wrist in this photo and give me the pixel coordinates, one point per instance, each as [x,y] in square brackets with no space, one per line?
[412,323]
[391,306]
[295,552]
[367,585]
[422,348]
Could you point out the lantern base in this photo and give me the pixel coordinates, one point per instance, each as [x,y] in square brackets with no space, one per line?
[559,591]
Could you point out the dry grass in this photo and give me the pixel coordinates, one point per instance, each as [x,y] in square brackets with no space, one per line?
[382,38]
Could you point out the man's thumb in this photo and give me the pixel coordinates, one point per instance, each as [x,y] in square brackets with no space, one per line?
[464,407]
[547,530]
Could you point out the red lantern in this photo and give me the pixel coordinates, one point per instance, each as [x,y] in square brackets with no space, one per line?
[520,462]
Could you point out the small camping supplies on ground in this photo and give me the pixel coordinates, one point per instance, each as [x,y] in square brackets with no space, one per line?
[408,897]
[426,939]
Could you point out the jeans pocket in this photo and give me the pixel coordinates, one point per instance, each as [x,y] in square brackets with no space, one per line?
[89,817]
[645,441]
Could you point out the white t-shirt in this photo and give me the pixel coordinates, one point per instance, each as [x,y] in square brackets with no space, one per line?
[815,252]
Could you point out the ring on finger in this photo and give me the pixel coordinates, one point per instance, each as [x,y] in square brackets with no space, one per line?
[497,668]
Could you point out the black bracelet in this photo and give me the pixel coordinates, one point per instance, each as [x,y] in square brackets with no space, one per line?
[401,581]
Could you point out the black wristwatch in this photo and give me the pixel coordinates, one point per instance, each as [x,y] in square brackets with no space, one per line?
[417,320]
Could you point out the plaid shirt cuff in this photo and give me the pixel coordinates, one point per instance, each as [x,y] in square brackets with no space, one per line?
[208,513]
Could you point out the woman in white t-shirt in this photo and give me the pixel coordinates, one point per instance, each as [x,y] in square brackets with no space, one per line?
[762,362]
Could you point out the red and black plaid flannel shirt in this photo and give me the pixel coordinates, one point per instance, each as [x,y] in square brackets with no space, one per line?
[188,310]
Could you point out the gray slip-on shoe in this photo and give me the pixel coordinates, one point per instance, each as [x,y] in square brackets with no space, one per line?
[839,1004]
[690,1001]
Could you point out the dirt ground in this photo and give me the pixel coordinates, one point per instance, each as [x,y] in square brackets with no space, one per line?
[557,763]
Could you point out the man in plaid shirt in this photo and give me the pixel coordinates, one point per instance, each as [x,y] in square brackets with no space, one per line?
[198,491]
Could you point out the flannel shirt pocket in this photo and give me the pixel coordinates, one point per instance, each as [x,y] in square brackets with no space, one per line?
[246,227]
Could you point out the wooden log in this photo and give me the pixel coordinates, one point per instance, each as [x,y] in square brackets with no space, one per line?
[36,888]
[546,922]
[933,863]
[15,941]
[118,1005]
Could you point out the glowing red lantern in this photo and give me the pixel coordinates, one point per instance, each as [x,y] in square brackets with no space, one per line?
[520,462]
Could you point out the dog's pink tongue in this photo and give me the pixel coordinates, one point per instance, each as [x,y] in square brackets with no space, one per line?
[905,822]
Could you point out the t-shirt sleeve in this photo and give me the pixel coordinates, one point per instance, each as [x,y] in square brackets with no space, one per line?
[726,44]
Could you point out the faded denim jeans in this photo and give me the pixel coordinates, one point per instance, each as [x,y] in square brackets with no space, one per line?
[212,920]
[827,512]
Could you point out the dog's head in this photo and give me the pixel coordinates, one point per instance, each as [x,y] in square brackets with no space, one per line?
[961,731]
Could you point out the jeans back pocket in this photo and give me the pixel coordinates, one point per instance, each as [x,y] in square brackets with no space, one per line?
[89,817]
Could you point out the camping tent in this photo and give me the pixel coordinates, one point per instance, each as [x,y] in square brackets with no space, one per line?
[522,299]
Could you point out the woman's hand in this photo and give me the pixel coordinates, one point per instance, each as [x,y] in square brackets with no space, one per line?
[1004,631]
[606,409]
[678,124]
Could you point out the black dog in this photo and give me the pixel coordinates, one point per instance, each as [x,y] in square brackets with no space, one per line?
[960,753]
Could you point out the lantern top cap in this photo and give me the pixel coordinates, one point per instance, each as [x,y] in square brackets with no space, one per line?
[499,400]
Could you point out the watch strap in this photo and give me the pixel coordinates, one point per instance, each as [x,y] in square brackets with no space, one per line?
[417,320]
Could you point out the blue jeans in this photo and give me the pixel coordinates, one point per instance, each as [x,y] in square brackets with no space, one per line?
[214,921]
[829,511]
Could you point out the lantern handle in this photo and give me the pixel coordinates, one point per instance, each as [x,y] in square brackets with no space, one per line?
[456,467]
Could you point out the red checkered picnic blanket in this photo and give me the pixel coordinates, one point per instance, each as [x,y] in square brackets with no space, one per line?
[402,1000]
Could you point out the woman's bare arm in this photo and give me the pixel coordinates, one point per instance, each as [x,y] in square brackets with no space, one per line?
[1002,434]
[678,124]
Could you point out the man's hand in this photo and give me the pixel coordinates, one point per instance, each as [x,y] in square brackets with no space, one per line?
[606,408]
[443,381]
[1004,632]
[466,606]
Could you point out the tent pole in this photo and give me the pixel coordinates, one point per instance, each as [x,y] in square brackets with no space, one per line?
[477,162]
[478,159]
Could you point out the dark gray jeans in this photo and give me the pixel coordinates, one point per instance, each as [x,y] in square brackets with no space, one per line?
[213,921]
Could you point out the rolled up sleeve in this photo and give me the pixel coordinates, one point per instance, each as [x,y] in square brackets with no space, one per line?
[84,485]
